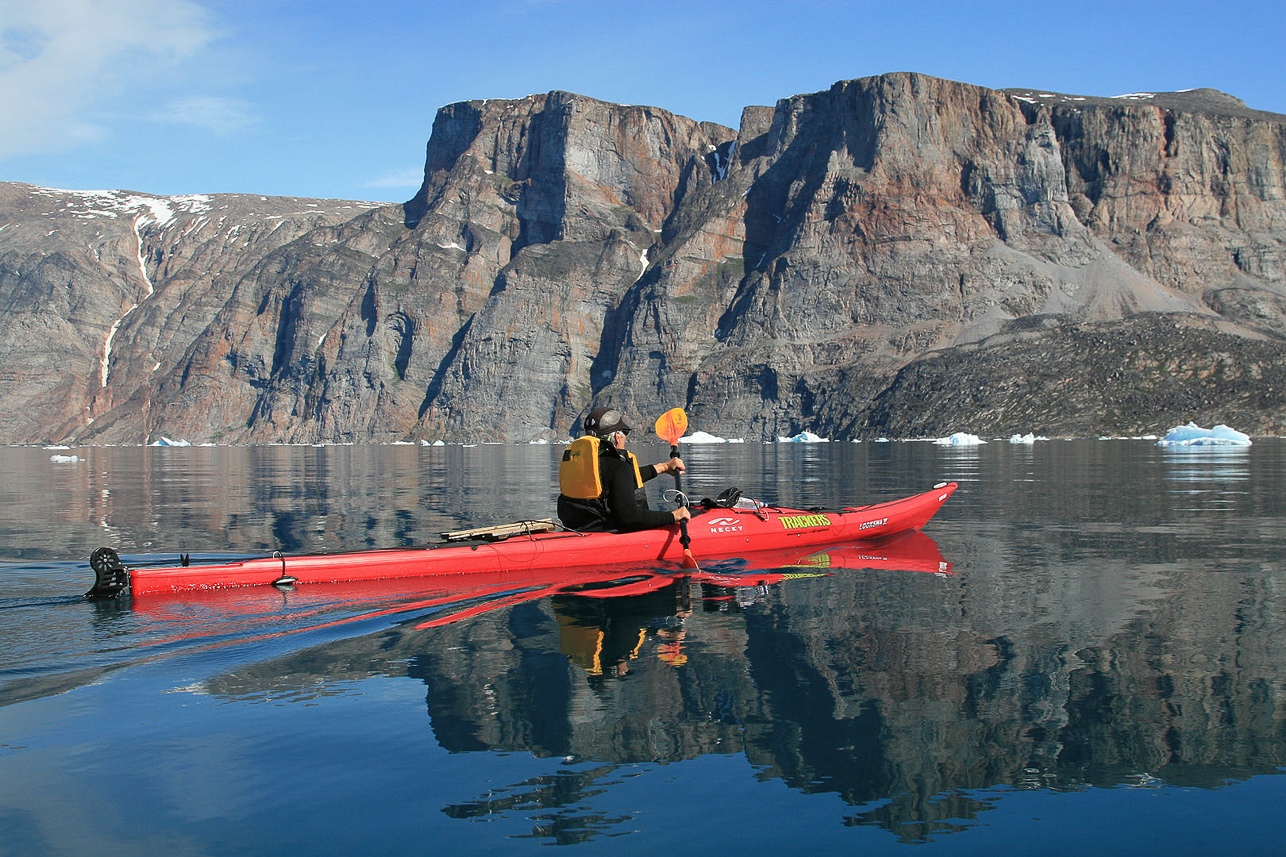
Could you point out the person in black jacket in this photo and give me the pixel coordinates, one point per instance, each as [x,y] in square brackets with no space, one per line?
[622,506]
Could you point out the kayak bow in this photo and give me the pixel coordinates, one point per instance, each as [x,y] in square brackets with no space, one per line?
[528,547]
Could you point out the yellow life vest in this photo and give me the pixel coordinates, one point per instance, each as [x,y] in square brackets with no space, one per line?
[578,475]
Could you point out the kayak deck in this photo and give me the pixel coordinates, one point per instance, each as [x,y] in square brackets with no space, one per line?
[527,547]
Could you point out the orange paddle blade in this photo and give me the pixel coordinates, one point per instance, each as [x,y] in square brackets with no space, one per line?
[671,425]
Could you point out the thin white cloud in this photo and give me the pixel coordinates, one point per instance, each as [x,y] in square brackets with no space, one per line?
[60,60]
[412,178]
[207,113]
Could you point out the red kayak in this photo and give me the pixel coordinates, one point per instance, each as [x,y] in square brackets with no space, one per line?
[528,546]
[235,612]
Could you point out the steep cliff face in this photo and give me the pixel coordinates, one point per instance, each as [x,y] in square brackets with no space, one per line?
[1188,188]
[548,209]
[880,220]
[104,294]
[810,270]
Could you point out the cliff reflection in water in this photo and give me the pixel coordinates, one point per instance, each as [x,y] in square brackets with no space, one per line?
[904,689]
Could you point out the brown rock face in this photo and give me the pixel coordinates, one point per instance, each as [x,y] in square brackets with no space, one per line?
[795,274]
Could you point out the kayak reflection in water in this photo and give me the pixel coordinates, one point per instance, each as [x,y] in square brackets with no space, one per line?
[601,485]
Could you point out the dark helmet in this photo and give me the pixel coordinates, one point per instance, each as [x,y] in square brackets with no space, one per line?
[604,421]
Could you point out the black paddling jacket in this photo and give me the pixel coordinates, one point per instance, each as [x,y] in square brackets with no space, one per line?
[622,507]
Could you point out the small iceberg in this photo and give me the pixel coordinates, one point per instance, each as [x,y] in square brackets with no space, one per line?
[1026,438]
[165,441]
[64,459]
[960,439]
[702,437]
[804,437]
[1194,435]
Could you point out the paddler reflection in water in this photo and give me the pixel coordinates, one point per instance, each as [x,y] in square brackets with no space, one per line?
[609,636]
[601,484]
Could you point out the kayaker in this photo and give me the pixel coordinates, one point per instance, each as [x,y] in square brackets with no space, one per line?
[602,485]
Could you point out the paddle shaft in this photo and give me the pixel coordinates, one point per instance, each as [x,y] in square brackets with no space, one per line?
[684,538]
[670,426]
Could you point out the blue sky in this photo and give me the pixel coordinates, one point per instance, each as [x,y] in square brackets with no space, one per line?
[336,99]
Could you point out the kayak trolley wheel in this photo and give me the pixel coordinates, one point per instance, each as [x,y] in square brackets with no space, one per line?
[110,574]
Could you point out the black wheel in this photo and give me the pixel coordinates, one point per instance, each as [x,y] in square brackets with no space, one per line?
[110,575]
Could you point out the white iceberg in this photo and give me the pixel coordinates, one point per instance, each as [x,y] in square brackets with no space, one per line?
[1194,435]
[1026,438]
[165,441]
[64,459]
[804,437]
[702,437]
[960,439]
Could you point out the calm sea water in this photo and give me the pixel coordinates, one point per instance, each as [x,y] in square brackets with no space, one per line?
[1101,670]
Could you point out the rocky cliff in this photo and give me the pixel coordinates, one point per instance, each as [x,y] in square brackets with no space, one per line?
[898,255]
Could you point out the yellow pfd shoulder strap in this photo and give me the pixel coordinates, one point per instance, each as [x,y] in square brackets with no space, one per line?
[638,475]
[578,475]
